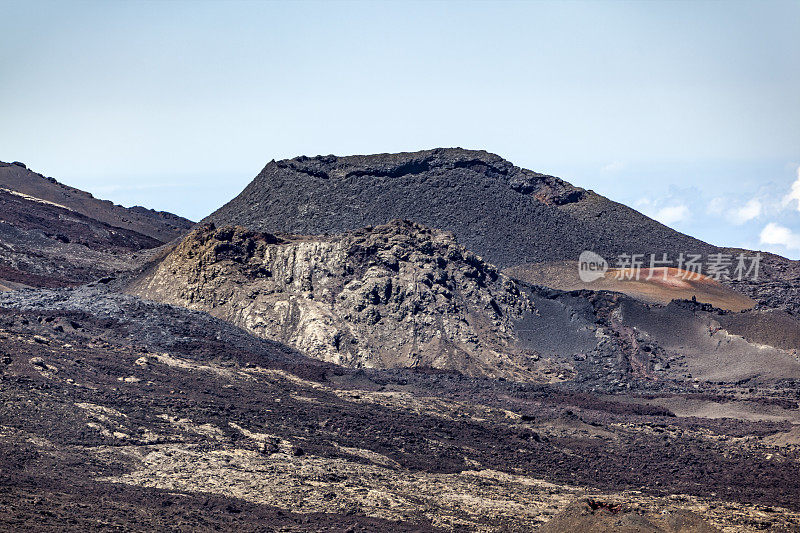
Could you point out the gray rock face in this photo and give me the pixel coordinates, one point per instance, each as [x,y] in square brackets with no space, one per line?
[507,214]
[397,295]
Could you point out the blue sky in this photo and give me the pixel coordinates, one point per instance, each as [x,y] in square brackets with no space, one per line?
[687,111]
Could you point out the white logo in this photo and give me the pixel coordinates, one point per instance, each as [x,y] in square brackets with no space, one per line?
[591,266]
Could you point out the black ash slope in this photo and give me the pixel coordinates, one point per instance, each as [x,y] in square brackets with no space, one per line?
[53,235]
[158,225]
[507,214]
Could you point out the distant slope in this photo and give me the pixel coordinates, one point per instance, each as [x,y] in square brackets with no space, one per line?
[506,214]
[158,225]
[44,245]
[52,235]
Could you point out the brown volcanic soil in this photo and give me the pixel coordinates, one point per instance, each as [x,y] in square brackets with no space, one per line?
[157,225]
[43,245]
[661,287]
[696,344]
[590,515]
[129,404]
[770,327]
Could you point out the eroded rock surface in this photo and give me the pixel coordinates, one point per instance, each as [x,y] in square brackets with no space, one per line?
[122,414]
[397,295]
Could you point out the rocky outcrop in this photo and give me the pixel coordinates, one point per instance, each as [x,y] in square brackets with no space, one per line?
[396,295]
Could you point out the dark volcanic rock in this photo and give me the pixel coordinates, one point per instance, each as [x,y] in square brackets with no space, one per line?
[157,225]
[506,214]
[597,515]
[777,286]
[148,415]
[52,235]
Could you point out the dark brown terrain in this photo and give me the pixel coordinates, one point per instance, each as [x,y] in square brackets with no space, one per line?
[371,379]
[122,413]
[52,235]
[158,225]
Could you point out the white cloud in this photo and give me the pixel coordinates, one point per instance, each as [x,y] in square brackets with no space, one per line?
[666,215]
[794,194]
[774,233]
[613,167]
[671,214]
[716,206]
[739,214]
[746,213]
